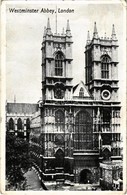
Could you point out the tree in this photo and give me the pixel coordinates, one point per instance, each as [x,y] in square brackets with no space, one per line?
[17,160]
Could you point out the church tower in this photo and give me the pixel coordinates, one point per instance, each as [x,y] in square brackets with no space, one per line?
[101,74]
[55,112]
[102,66]
[78,127]
[56,64]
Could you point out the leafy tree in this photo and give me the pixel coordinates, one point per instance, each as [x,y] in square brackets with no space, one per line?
[17,160]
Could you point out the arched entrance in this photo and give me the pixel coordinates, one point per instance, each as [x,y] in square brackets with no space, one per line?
[59,158]
[106,154]
[86,176]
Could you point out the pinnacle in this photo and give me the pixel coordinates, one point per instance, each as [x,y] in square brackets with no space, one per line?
[113,32]
[48,30]
[48,24]
[113,29]
[88,36]
[95,27]
[68,26]
[95,33]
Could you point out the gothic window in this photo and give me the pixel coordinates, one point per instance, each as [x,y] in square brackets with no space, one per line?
[27,124]
[49,137]
[27,128]
[105,67]
[119,151]
[106,115]
[19,124]
[83,138]
[11,124]
[59,120]
[106,154]
[81,92]
[59,64]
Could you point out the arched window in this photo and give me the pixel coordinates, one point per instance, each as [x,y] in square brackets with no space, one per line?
[19,124]
[11,124]
[83,137]
[27,128]
[59,64]
[106,115]
[59,158]
[59,120]
[27,124]
[81,92]
[105,67]
[106,154]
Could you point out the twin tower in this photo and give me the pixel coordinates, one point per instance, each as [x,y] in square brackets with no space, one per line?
[101,61]
[79,125]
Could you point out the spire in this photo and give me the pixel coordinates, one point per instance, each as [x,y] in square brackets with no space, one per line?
[68,31]
[14,99]
[113,36]
[88,38]
[68,26]
[95,27]
[48,27]
[48,24]
[95,33]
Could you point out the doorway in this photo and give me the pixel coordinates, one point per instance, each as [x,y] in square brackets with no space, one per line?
[85,176]
[59,158]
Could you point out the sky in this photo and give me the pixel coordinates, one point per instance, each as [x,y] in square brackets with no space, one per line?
[24,35]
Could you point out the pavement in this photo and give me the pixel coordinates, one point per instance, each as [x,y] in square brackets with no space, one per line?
[71,187]
[33,182]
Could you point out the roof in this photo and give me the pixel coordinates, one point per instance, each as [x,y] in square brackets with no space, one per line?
[74,88]
[21,108]
[77,88]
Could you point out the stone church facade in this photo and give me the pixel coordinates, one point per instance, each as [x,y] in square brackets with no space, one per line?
[75,133]
[18,118]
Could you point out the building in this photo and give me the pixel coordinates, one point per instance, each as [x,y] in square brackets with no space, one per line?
[18,117]
[75,130]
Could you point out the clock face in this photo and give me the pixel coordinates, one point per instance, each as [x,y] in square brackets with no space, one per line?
[59,94]
[105,94]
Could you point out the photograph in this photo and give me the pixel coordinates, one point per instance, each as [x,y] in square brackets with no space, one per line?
[64,96]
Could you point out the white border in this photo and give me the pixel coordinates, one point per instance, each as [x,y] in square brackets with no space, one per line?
[3,96]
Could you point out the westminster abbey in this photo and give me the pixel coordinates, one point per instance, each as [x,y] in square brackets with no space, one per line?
[75,130]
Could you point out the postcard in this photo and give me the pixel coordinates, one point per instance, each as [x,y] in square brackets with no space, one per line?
[63,104]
